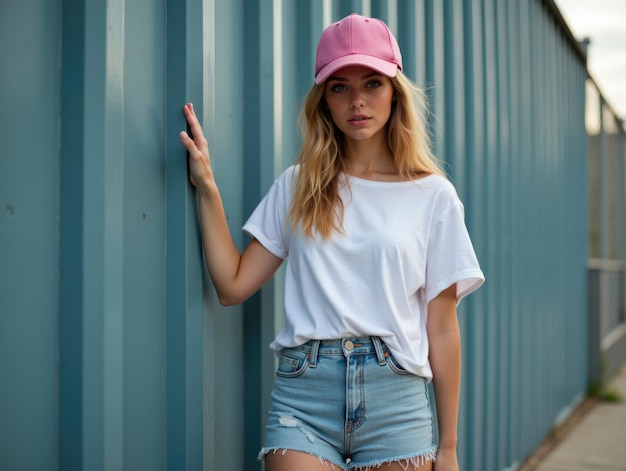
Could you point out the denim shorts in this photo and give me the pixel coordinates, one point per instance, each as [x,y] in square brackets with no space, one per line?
[349,403]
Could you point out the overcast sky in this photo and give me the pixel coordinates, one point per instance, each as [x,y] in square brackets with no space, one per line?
[604,22]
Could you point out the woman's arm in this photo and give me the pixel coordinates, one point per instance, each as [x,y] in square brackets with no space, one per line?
[445,359]
[235,276]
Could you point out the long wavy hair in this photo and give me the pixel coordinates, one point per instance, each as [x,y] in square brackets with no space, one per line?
[316,203]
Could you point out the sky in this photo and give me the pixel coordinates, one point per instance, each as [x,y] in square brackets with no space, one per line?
[604,23]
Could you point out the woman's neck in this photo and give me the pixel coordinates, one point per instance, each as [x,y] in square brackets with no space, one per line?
[371,160]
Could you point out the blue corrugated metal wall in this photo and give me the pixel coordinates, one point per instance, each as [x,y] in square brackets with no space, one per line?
[113,351]
[29,255]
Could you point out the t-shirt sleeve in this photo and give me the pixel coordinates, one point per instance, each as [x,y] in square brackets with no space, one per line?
[451,258]
[268,222]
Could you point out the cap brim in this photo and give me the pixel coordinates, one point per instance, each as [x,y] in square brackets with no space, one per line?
[387,68]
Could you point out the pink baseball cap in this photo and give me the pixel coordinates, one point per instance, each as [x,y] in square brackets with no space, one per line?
[357,40]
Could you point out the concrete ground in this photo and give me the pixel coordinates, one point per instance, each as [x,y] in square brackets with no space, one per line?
[595,441]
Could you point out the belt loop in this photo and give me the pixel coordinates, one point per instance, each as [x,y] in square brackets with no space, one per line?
[379,351]
[315,346]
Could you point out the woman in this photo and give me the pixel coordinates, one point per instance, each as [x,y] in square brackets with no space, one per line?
[378,257]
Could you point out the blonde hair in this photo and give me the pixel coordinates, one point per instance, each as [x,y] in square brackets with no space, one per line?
[316,203]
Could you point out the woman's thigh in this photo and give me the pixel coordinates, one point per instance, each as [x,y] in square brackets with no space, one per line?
[294,460]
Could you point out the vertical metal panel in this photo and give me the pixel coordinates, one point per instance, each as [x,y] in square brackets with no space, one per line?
[144,336]
[29,170]
[252,130]
[433,38]
[503,155]
[184,302]
[515,299]
[233,152]
[535,220]
[474,201]
[71,224]
[411,25]
[261,62]
[490,258]
[525,216]
[103,279]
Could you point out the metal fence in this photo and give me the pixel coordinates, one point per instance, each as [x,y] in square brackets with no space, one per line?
[607,237]
[114,353]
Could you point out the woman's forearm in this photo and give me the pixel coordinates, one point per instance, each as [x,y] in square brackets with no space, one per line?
[445,360]
[221,255]
[444,339]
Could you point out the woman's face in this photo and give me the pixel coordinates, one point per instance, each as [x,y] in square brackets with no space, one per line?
[359,100]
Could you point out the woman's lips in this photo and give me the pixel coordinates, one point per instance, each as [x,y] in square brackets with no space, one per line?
[358,119]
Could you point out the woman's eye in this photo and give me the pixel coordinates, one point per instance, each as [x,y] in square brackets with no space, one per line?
[338,88]
[373,84]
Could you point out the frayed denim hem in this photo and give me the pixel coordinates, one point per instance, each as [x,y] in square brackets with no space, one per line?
[324,461]
[407,463]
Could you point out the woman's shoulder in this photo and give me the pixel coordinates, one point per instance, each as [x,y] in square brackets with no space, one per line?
[290,174]
[436,183]
[438,191]
[286,181]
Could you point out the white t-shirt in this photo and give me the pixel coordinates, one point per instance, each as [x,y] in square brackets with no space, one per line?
[403,244]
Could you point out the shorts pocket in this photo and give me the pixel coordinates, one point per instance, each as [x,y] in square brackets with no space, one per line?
[292,363]
[395,366]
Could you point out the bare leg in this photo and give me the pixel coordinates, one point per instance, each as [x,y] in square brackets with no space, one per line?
[402,467]
[294,461]
[297,461]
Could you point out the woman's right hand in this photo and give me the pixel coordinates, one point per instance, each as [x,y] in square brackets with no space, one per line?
[200,172]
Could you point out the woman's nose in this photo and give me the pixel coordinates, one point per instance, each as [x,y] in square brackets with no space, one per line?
[357,100]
